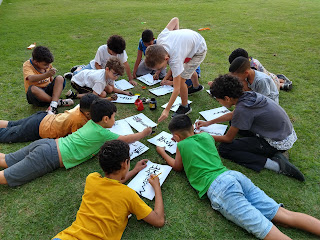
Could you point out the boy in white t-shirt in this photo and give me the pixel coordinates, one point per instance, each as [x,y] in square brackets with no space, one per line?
[115,46]
[99,82]
[183,50]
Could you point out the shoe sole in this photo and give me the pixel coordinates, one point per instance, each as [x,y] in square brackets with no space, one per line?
[287,168]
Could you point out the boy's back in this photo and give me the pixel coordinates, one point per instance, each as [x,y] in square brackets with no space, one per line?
[104,210]
[265,85]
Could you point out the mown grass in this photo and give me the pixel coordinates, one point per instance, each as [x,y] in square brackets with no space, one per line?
[283,35]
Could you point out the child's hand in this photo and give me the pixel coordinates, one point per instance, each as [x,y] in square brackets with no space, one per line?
[51,72]
[147,131]
[154,181]
[160,149]
[156,76]
[134,75]
[201,123]
[164,82]
[114,97]
[134,83]
[210,83]
[128,93]
[164,115]
[141,165]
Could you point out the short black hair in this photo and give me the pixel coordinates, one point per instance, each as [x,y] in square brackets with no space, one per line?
[239,52]
[239,65]
[117,44]
[226,85]
[179,123]
[42,54]
[147,36]
[112,154]
[100,108]
[86,101]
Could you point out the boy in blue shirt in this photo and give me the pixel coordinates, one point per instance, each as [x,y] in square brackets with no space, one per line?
[140,67]
[230,192]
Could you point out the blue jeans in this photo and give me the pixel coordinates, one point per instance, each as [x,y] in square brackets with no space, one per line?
[240,201]
[23,130]
[83,68]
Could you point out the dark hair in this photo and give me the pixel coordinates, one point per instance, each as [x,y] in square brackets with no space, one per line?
[226,85]
[42,54]
[180,122]
[100,108]
[117,44]
[239,65]
[239,52]
[112,154]
[86,101]
[155,54]
[147,36]
[115,64]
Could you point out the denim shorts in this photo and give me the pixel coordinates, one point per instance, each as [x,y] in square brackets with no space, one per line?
[192,65]
[240,201]
[32,161]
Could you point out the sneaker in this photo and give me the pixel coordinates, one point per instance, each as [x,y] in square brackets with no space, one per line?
[68,75]
[194,90]
[183,110]
[281,76]
[286,86]
[71,94]
[287,168]
[75,68]
[65,102]
[52,110]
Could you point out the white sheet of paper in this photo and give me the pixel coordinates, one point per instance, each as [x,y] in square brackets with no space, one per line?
[214,113]
[137,148]
[140,182]
[123,84]
[148,79]
[162,90]
[163,139]
[213,129]
[140,121]
[176,104]
[125,98]
[121,127]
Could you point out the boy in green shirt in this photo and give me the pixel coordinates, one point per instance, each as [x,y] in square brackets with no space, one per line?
[230,192]
[46,155]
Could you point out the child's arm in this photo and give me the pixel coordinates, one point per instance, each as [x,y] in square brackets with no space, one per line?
[224,118]
[136,65]
[97,65]
[136,136]
[173,24]
[174,95]
[156,217]
[38,77]
[117,90]
[128,71]
[176,163]
[228,137]
[139,166]
[167,80]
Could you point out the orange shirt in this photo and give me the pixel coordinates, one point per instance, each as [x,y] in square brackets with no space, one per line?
[29,69]
[62,124]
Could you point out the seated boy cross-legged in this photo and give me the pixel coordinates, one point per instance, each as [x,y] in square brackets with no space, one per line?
[106,203]
[230,192]
[46,155]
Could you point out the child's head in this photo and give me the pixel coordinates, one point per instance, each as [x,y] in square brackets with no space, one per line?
[226,87]
[240,67]
[180,126]
[86,101]
[147,37]
[116,44]
[156,57]
[103,110]
[114,68]
[42,57]
[113,154]
[239,52]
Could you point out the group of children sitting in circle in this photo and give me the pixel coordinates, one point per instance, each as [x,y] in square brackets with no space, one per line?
[70,138]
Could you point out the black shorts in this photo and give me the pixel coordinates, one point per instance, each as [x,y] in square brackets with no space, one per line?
[80,89]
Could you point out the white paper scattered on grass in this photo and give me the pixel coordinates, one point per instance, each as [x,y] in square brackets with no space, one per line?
[163,139]
[123,84]
[140,121]
[140,182]
[121,127]
[214,113]
[148,79]
[162,90]
[136,149]
[125,98]
[176,104]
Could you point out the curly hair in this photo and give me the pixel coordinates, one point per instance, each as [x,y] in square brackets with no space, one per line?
[226,85]
[239,52]
[116,65]
[155,54]
[100,108]
[42,54]
[117,44]
[112,154]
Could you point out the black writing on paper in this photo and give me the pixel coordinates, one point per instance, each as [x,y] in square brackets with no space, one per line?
[163,139]
[154,169]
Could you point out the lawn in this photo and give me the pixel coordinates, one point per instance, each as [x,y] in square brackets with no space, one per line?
[283,35]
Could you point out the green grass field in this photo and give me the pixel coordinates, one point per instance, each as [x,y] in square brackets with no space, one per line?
[283,35]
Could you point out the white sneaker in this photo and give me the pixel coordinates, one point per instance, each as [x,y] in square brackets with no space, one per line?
[65,102]
[51,110]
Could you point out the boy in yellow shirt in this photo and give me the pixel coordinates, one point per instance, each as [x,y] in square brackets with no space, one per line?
[107,203]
